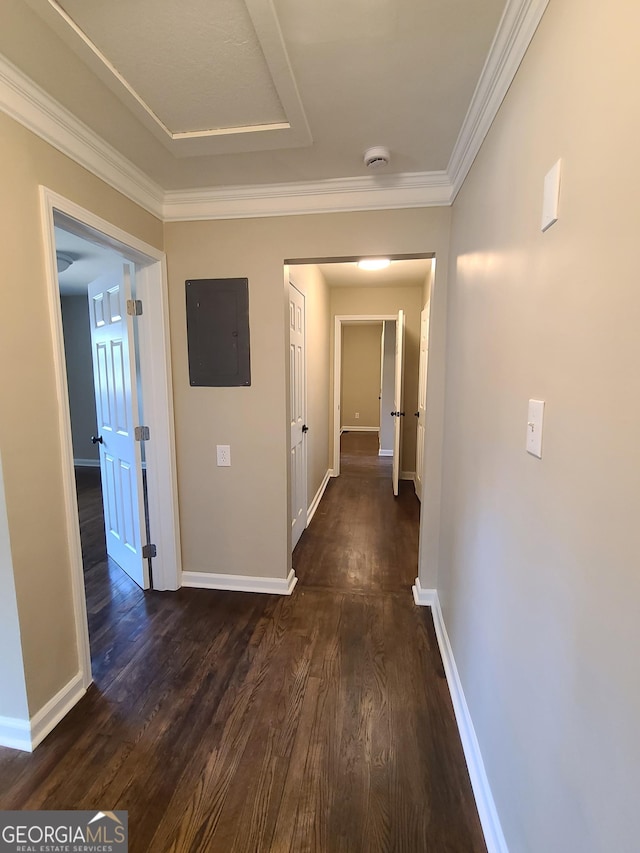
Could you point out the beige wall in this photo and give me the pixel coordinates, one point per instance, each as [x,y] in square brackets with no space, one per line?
[539,576]
[234,520]
[310,281]
[389,300]
[29,413]
[360,386]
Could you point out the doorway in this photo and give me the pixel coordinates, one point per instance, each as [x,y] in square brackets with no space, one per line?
[154,383]
[336,287]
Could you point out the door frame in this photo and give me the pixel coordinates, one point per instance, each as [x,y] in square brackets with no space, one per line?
[337,372]
[155,368]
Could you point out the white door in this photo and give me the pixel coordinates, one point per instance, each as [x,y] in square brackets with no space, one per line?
[398,413]
[297,383]
[422,396]
[114,376]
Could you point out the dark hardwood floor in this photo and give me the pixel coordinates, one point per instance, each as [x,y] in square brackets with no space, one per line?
[253,723]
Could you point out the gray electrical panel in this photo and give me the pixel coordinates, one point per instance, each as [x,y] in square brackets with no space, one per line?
[218,331]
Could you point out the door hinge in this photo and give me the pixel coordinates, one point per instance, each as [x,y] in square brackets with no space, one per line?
[149,551]
[141,433]
[134,307]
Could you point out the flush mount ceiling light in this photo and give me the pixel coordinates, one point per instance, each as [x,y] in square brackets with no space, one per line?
[375,158]
[374,264]
[63,261]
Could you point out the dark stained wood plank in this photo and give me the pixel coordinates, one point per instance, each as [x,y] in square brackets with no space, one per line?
[247,723]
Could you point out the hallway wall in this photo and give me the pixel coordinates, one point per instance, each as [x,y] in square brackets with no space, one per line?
[360,388]
[539,579]
[32,472]
[235,520]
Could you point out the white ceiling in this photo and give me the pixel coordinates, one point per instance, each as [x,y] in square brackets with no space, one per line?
[197,93]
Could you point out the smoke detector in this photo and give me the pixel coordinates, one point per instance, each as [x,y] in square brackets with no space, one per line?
[375,158]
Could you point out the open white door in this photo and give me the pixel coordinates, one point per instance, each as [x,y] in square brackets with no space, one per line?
[114,375]
[398,414]
[298,404]
[422,396]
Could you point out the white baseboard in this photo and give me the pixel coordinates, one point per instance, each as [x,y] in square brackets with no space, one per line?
[86,463]
[424,597]
[358,429]
[408,475]
[15,733]
[27,734]
[382,452]
[318,497]
[47,718]
[240,583]
[493,835]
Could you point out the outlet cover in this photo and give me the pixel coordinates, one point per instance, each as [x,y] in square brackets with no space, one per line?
[223,455]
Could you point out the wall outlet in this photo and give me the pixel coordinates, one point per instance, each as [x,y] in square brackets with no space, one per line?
[357,415]
[223,455]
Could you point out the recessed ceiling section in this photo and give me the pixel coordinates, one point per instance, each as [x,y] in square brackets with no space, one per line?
[212,79]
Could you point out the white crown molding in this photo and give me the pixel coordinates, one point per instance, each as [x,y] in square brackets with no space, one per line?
[515,31]
[32,107]
[418,189]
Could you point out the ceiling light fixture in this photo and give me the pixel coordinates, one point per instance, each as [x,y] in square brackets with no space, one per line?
[374,264]
[63,261]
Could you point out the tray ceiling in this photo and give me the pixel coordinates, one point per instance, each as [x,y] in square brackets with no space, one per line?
[216,93]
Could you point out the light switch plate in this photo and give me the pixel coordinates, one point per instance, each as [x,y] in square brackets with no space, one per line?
[534,427]
[551,197]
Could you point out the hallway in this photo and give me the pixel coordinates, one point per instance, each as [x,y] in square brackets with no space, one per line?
[227,721]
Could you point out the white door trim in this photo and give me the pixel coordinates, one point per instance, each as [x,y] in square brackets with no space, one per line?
[337,372]
[156,383]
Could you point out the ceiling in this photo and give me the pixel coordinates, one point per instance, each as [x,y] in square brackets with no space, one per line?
[219,93]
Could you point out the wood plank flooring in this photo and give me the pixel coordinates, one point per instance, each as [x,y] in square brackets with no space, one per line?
[240,723]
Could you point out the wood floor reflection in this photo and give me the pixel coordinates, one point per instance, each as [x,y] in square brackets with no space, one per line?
[228,721]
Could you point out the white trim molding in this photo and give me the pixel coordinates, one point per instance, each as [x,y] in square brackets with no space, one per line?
[32,107]
[86,463]
[336,195]
[15,734]
[315,503]
[382,452]
[359,429]
[27,734]
[240,583]
[408,475]
[493,835]
[515,31]
[48,717]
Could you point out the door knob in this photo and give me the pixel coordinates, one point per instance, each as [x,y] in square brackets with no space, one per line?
[305,428]
[97,440]
[417,414]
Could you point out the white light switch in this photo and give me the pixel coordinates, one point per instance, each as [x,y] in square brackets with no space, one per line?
[223,453]
[534,428]
[551,197]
